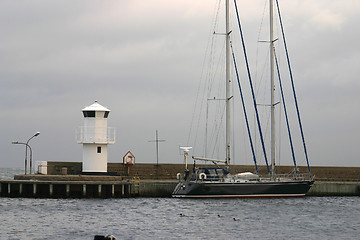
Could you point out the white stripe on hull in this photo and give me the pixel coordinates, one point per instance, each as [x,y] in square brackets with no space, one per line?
[241,196]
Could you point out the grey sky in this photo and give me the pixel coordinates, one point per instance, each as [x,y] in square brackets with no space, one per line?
[143,60]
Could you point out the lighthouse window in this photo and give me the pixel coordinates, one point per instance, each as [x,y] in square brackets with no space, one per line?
[89,113]
[98,149]
[106,114]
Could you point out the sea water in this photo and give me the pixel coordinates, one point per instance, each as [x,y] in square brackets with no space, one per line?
[167,218]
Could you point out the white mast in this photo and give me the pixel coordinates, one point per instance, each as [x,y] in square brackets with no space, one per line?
[272,87]
[227,76]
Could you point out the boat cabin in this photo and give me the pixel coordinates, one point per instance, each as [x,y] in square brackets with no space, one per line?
[209,173]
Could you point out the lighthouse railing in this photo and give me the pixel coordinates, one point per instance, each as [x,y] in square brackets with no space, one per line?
[86,134]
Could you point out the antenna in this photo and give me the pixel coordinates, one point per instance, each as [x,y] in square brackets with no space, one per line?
[157,147]
[186,151]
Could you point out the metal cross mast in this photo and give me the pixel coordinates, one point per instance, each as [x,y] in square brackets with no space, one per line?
[157,146]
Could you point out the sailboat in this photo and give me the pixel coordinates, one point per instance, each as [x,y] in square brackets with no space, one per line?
[217,182]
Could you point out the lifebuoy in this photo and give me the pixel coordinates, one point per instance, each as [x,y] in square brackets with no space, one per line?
[202,176]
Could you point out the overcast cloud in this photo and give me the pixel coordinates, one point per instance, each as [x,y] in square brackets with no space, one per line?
[143,61]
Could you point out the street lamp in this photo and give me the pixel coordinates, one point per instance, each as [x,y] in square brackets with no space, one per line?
[35,135]
[27,146]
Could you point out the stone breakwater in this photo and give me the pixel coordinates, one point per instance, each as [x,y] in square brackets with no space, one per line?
[64,180]
[169,171]
[50,188]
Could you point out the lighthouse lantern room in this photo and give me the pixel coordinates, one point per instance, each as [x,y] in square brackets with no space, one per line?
[95,136]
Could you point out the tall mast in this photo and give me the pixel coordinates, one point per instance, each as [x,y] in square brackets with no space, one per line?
[227,76]
[272,87]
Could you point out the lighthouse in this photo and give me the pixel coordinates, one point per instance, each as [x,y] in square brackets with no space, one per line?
[95,136]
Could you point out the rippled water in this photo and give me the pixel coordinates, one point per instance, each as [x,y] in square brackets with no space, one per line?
[166,218]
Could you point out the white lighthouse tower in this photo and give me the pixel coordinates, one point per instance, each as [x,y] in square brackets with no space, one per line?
[95,136]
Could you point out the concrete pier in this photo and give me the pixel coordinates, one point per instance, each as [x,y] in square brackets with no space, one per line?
[335,189]
[149,180]
[156,188]
[67,189]
[133,188]
[169,171]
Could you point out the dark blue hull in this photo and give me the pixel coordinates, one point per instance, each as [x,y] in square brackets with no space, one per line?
[203,189]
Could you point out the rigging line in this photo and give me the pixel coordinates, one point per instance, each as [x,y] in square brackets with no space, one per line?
[261,79]
[211,75]
[260,92]
[212,78]
[293,88]
[206,127]
[233,131]
[258,41]
[252,89]
[217,69]
[285,112]
[212,58]
[201,76]
[217,123]
[213,138]
[217,131]
[213,71]
[266,116]
[244,110]
[279,142]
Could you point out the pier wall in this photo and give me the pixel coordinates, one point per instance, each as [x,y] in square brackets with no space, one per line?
[169,171]
[67,189]
[134,188]
[156,188]
[335,189]
[151,180]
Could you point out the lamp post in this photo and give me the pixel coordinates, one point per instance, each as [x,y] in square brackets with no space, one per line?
[35,135]
[27,146]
